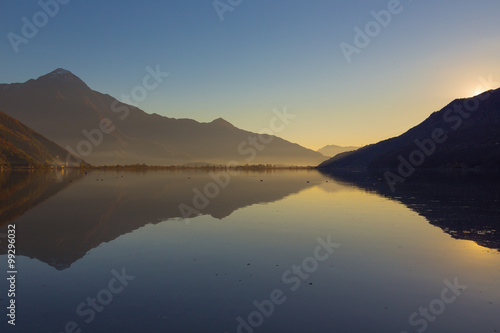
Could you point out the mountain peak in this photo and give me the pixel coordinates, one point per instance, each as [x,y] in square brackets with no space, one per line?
[222,122]
[62,79]
[59,73]
[61,107]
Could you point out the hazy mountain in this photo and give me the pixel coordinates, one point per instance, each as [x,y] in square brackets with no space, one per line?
[20,146]
[465,133]
[332,150]
[63,108]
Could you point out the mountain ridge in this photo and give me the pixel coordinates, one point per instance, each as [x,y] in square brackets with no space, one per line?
[462,134]
[64,109]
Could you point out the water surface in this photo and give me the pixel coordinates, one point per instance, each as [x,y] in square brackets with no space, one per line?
[245,241]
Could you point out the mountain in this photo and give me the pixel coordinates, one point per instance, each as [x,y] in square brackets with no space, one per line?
[465,134]
[20,146]
[332,150]
[102,130]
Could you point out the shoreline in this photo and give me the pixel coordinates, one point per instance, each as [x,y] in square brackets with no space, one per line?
[161,167]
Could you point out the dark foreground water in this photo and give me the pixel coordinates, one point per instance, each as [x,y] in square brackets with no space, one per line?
[283,251]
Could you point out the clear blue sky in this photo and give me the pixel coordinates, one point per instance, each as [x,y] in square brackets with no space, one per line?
[269,54]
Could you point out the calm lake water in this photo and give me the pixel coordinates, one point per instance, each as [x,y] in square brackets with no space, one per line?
[276,251]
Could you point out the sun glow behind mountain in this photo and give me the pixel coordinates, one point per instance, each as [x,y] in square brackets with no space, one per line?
[267,55]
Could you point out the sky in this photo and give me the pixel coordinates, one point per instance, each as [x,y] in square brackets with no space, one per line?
[348,78]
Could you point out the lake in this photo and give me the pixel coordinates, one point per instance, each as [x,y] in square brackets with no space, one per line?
[250,251]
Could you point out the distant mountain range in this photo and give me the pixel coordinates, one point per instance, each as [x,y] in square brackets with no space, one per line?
[20,146]
[464,134]
[101,130]
[333,150]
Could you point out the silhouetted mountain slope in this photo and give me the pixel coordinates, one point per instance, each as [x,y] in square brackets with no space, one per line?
[63,108]
[20,146]
[466,207]
[466,133]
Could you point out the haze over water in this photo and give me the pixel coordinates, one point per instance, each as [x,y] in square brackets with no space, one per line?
[393,254]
